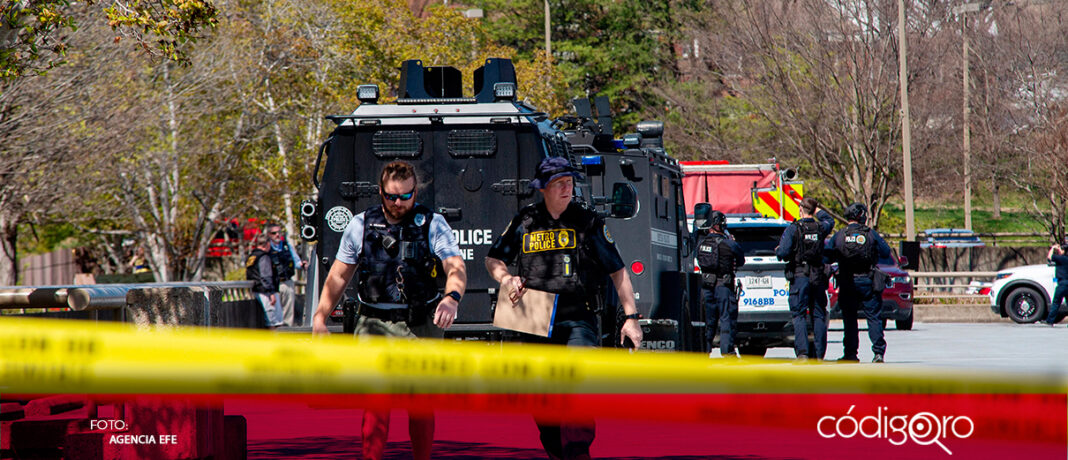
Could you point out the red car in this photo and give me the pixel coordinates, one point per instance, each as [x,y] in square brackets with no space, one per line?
[897,298]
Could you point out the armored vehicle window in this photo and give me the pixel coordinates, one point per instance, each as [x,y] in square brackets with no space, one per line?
[397,144]
[757,241]
[472,143]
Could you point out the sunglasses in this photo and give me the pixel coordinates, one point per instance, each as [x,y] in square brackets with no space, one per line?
[398,196]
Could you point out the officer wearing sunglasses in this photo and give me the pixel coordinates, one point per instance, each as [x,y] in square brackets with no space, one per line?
[395,248]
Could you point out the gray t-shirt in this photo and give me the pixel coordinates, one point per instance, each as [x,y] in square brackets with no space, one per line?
[442,241]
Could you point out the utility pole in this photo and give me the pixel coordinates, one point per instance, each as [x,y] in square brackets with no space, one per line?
[906,133]
[967,129]
[548,36]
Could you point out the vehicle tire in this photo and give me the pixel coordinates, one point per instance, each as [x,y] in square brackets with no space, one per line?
[753,349]
[1025,305]
[904,324]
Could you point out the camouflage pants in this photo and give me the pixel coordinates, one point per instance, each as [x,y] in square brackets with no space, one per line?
[374,326]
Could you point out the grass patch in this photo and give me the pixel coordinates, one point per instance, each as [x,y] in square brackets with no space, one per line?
[982,220]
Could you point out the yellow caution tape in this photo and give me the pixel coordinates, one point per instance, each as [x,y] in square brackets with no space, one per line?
[56,356]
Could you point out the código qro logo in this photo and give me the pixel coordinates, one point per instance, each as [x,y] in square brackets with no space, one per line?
[922,428]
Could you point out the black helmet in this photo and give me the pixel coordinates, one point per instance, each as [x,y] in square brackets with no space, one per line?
[857,212]
[717,219]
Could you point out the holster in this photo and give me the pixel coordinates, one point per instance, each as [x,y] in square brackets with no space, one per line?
[711,280]
[418,314]
[879,280]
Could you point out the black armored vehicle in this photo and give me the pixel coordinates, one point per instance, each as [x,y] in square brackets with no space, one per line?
[476,156]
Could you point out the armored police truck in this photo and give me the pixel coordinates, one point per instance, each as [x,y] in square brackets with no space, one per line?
[476,157]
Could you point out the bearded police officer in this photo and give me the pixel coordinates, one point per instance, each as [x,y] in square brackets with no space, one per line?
[719,257]
[801,246]
[571,265]
[857,249]
[393,248]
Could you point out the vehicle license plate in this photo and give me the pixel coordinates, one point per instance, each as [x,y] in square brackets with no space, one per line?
[757,282]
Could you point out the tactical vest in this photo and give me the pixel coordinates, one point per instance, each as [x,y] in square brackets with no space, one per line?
[713,257]
[396,261]
[856,249]
[252,270]
[808,246]
[282,262]
[551,251]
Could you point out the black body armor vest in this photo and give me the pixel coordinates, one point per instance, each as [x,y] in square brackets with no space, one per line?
[551,254]
[396,261]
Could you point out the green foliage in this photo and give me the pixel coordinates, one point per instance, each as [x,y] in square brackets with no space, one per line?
[32,33]
[619,49]
[34,27]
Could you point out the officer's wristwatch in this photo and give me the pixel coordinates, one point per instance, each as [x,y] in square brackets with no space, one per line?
[634,316]
[455,295]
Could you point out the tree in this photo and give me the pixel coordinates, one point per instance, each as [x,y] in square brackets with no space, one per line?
[33,32]
[617,49]
[175,150]
[1037,105]
[39,151]
[820,77]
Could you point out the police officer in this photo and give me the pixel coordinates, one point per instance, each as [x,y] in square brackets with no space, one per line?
[801,246]
[260,270]
[1060,261]
[857,249]
[393,247]
[719,257]
[285,260]
[572,264]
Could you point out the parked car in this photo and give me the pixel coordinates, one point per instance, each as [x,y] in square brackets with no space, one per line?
[897,297]
[1023,294]
[979,288]
[951,238]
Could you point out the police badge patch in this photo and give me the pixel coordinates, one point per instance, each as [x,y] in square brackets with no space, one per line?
[608,236]
[337,218]
[420,219]
[861,239]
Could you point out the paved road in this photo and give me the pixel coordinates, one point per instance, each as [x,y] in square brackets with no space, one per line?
[1001,346]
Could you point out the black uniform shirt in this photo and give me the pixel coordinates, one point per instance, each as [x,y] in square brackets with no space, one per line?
[599,249]
[1061,270]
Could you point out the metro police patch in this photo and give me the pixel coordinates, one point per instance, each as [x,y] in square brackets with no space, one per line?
[549,240]
[337,218]
[608,236]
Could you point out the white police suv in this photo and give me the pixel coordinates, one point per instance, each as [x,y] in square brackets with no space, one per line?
[1023,293]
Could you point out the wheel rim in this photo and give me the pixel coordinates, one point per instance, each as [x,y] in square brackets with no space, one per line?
[1024,305]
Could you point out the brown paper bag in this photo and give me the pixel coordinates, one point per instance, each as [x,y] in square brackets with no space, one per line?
[533,314]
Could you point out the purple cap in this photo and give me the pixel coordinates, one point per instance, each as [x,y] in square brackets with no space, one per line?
[551,169]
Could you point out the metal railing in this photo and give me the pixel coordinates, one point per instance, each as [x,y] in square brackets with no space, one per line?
[950,288]
[991,238]
[92,297]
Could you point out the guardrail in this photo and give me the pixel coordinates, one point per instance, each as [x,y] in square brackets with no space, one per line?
[990,238]
[93,297]
[949,288]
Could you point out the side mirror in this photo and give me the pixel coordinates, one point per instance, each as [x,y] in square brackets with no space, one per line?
[903,261]
[624,203]
[701,213]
